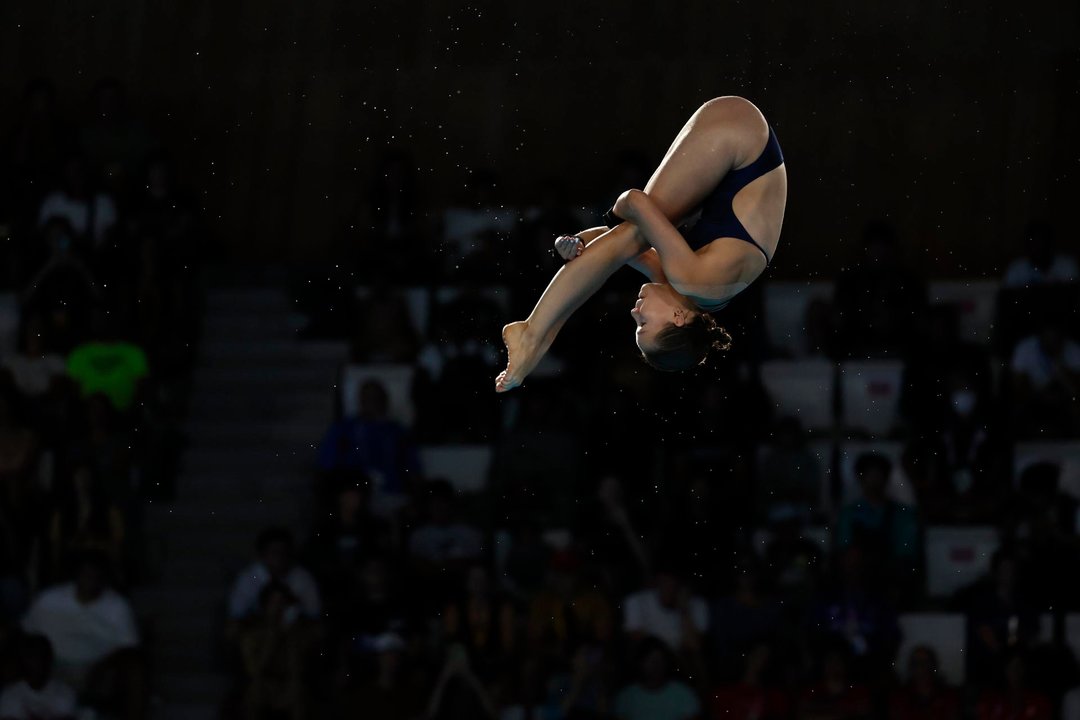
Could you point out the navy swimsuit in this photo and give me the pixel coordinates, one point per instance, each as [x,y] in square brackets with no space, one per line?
[717,217]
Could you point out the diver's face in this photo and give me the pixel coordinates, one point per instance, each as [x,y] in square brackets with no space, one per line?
[657,307]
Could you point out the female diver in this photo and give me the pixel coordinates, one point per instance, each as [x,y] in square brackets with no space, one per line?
[725,162]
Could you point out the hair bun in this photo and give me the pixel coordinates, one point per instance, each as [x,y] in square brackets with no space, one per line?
[720,338]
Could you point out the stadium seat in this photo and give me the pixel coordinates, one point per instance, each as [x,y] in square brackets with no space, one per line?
[496,293]
[974,301]
[418,301]
[1072,633]
[397,379]
[870,395]
[900,487]
[465,466]
[944,632]
[9,323]
[1064,453]
[818,533]
[786,304]
[802,389]
[822,450]
[957,557]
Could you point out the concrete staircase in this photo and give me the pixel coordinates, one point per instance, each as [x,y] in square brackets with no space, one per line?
[261,400]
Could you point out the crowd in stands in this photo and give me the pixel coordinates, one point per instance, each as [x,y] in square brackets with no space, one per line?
[99,252]
[656,547]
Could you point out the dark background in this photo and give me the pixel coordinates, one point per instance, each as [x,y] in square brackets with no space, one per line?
[953,120]
[251,458]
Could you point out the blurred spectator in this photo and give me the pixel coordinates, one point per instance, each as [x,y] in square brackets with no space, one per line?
[568,612]
[89,624]
[38,144]
[668,610]
[33,366]
[444,541]
[957,468]
[586,696]
[1070,705]
[524,569]
[1045,517]
[527,695]
[458,692]
[63,291]
[37,695]
[857,614]
[454,366]
[701,528]
[391,691]
[936,365]
[276,563]
[20,486]
[884,528]
[1016,700]
[751,697]
[475,228]
[393,245]
[743,621]
[384,602]
[655,695]
[613,537]
[482,623]
[374,444]
[835,696]
[106,447]
[91,215]
[789,476]
[384,331]
[879,301]
[925,696]
[276,646]
[1041,263]
[155,266]
[344,540]
[115,142]
[85,520]
[1000,619]
[1046,382]
[109,365]
[794,562]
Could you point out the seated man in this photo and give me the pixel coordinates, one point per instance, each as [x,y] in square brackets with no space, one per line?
[36,695]
[93,632]
[276,561]
[667,611]
[1045,382]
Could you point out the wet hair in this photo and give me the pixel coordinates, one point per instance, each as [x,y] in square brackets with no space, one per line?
[682,348]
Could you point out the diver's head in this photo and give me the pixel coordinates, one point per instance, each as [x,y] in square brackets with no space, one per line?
[671,333]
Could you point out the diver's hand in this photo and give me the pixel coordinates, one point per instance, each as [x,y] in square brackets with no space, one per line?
[569,246]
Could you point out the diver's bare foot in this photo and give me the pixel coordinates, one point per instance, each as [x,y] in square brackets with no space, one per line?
[521,356]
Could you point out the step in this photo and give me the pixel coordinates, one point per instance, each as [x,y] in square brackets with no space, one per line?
[204,687]
[247,299]
[185,710]
[244,403]
[241,487]
[318,376]
[309,351]
[191,515]
[155,599]
[236,434]
[266,460]
[226,323]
